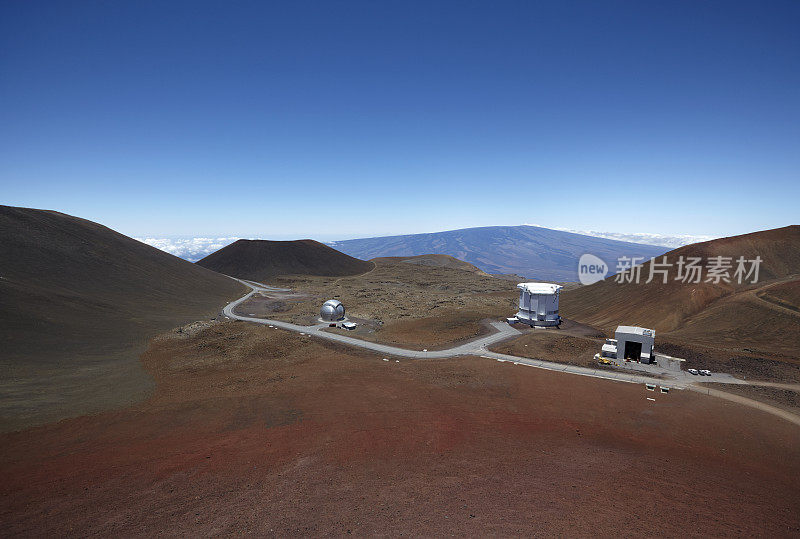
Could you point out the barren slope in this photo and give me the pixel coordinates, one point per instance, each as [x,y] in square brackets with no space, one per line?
[259,260]
[261,432]
[80,302]
[665,307]
[745,320]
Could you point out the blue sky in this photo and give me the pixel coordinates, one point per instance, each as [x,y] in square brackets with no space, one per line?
[348,119]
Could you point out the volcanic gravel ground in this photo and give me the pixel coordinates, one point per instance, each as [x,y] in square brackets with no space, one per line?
[256,430]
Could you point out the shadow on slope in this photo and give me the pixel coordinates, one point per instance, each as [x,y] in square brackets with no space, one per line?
[80,303]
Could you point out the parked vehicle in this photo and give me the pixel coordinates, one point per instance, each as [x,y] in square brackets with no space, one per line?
[693,371]
[603,360]
[705,372]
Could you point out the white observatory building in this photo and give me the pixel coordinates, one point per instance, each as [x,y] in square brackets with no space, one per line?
[538,304]
[634,343]
[332,311]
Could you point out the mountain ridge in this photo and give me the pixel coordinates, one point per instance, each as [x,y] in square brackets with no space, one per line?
[531,251]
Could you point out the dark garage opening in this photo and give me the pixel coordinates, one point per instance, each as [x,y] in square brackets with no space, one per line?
[633,350]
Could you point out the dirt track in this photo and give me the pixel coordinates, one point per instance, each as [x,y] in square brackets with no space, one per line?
[262,431]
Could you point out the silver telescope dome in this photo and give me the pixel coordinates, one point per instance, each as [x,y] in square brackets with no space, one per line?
[332,310]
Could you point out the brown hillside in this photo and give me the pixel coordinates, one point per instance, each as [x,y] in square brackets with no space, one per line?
[760,319]
[443,261]
[79,303]
[259,260]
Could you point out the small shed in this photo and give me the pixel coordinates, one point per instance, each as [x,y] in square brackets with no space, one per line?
[609,348]
[538,304]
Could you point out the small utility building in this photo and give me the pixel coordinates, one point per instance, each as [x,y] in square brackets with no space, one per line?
[635,343]
[538,304]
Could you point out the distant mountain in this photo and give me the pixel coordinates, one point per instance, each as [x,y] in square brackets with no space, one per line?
[78,304]
[258,260]
[534,252]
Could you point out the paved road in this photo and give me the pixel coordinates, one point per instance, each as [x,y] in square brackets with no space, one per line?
[478,347]
[504,331]
[785,414]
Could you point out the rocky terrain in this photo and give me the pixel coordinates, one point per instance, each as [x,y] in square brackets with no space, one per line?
[252,430]
[397,302]
[573,344]
[246,429]
[446,261]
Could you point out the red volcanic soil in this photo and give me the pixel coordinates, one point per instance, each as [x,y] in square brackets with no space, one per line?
[260,260]
[254,430]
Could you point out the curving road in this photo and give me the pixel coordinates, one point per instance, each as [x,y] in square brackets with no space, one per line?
[479,346]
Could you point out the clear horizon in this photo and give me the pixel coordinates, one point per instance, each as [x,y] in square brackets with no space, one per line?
[336,121]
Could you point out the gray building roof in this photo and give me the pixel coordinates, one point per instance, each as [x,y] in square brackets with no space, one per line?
[636,330]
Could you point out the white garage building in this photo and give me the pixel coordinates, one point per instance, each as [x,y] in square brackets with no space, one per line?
[538,304]
[635,343]
[632,343]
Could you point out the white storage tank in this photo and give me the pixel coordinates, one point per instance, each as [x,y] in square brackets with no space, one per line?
[538,304]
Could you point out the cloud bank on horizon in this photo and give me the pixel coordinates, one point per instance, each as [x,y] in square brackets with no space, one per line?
[663,240]
[648,238]
[193,249]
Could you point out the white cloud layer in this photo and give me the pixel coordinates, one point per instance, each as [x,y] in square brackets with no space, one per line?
[648,238]
[191,249]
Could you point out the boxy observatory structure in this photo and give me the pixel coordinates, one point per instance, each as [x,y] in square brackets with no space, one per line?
[538,304]
[632,343]
[332,311]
